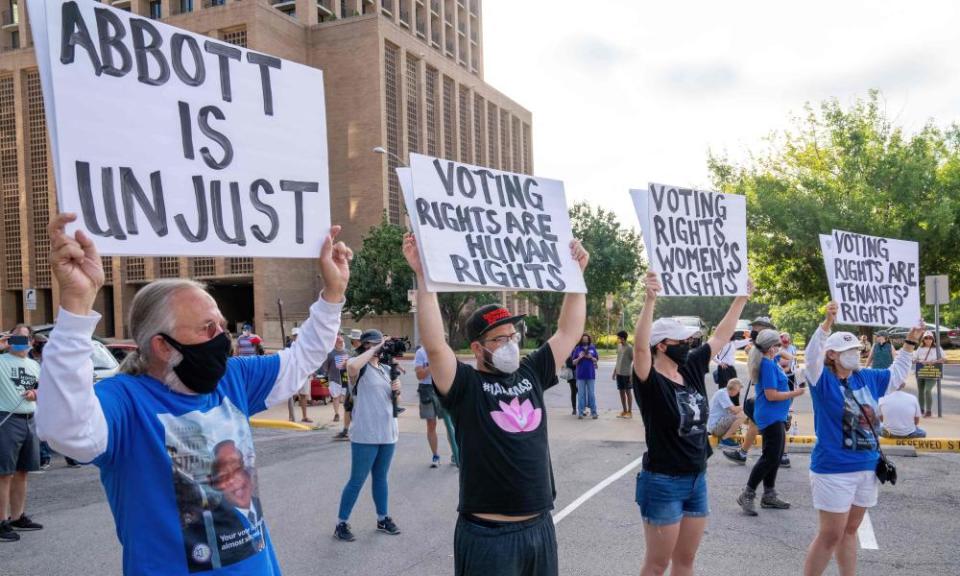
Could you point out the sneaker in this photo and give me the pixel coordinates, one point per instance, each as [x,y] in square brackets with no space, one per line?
[6,533]
[729,443]
[573,412]
[629,414]
[579,416]
[342,435]
[622,415]
[771,500]
[45,466]
[435,463]
[343,533]
[747,504]
[736,456]
[595,416]
[784,461]
[25,524]
[387,526]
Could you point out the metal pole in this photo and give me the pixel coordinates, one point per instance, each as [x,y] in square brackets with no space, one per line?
[283,342]
[936,320]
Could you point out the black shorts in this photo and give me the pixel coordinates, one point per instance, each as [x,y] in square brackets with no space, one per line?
[19,444]
[748,408]
[526,548]
[623,383]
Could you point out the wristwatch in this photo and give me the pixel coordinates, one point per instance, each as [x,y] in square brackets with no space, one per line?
[911,342]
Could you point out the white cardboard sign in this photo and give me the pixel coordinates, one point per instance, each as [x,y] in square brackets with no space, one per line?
[166,142]
[696,240]
[484,229]
[875,281]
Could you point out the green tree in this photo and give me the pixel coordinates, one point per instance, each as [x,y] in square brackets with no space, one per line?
[379,275]
[846,168]
[798,317]
[452,306]
[615,263]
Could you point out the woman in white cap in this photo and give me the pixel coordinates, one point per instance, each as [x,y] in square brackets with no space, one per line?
[774,397]
[671,391]
[844,460]
[927,353]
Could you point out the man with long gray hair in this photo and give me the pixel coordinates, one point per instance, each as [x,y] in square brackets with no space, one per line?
[158,424]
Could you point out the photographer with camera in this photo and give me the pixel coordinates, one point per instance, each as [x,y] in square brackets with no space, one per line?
[846,466]
[373,428]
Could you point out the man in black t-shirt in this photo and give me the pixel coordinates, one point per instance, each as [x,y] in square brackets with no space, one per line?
[506,478]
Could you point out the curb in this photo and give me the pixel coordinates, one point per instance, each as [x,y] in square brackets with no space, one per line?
[280,424]
[918,444]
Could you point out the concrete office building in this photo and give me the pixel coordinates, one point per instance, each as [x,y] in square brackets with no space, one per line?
[406,75]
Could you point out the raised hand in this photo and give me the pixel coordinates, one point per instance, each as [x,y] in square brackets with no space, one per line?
[579,254]
[75,264]
[832,309]
[412,253]
[651,284]
[335,260]
[916,333]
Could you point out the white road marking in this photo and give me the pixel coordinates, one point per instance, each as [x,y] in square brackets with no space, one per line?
[595,490]
[868,540]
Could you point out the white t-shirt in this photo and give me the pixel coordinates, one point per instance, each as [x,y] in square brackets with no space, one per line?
[899,410]
[928,354]
[720,403]
[728,354]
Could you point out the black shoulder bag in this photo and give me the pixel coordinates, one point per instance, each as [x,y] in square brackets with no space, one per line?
[886,471]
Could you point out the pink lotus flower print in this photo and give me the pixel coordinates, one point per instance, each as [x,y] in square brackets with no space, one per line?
[516,417]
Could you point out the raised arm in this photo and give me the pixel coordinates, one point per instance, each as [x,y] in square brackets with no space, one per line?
[901,366]
[642,360]
[814,354]
[727,326]
[69,415]
[319,332]
[443,361]
[357,362]
[573,313]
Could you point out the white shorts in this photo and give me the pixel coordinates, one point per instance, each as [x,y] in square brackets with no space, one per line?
[837,492]
[336,390]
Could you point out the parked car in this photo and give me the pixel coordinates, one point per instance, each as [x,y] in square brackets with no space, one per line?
[949,337]
[121,350]
[698,323]
[104,363]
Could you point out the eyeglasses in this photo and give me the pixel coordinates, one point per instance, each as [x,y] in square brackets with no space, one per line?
[501,340]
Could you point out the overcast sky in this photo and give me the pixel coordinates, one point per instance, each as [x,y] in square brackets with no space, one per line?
[624,91]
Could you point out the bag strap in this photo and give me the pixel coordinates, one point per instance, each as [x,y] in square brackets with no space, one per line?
[869,420]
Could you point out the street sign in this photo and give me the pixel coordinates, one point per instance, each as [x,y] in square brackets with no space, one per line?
[938,290]
[30,296]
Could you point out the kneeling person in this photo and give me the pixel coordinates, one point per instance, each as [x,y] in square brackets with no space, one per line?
[725,416]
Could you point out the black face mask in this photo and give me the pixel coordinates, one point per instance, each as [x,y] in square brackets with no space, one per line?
[754,334]
[678,352]
[204,364]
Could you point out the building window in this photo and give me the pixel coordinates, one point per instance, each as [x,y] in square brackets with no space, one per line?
[155,10]
[387,6]
[107,263]
[449,125]
[391,80]
[413,104]
[465,139]
[203,267]
[527,158]
[240,266]
[505,141]
[479,107]
[212,3]
[39,186]
[236,36]
[433,127]
[9,176]
[493,136]
[515,144]
[169,267]
[14,39]
[185,6]
[136,269]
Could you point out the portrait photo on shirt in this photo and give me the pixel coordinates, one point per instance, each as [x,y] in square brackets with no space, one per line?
[215,482]
[855,426]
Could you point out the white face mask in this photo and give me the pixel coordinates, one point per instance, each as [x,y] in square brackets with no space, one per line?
[850,360]
[506,358]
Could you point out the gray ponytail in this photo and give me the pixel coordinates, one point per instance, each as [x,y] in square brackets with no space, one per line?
[150,314]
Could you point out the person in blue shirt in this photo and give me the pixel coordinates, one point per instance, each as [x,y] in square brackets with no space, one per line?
[171,432]
[770,415]
[844,460]
[585,360]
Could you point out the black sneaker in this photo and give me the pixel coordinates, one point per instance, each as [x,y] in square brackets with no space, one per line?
[771,500]
[25,524]
[387,526]
[735,456]
[342,435]
[785,461]
[6,533]
[342,532]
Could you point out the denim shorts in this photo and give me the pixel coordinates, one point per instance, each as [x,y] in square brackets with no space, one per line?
[665,499]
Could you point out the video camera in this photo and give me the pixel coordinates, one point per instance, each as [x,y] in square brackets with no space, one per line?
[390,350]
